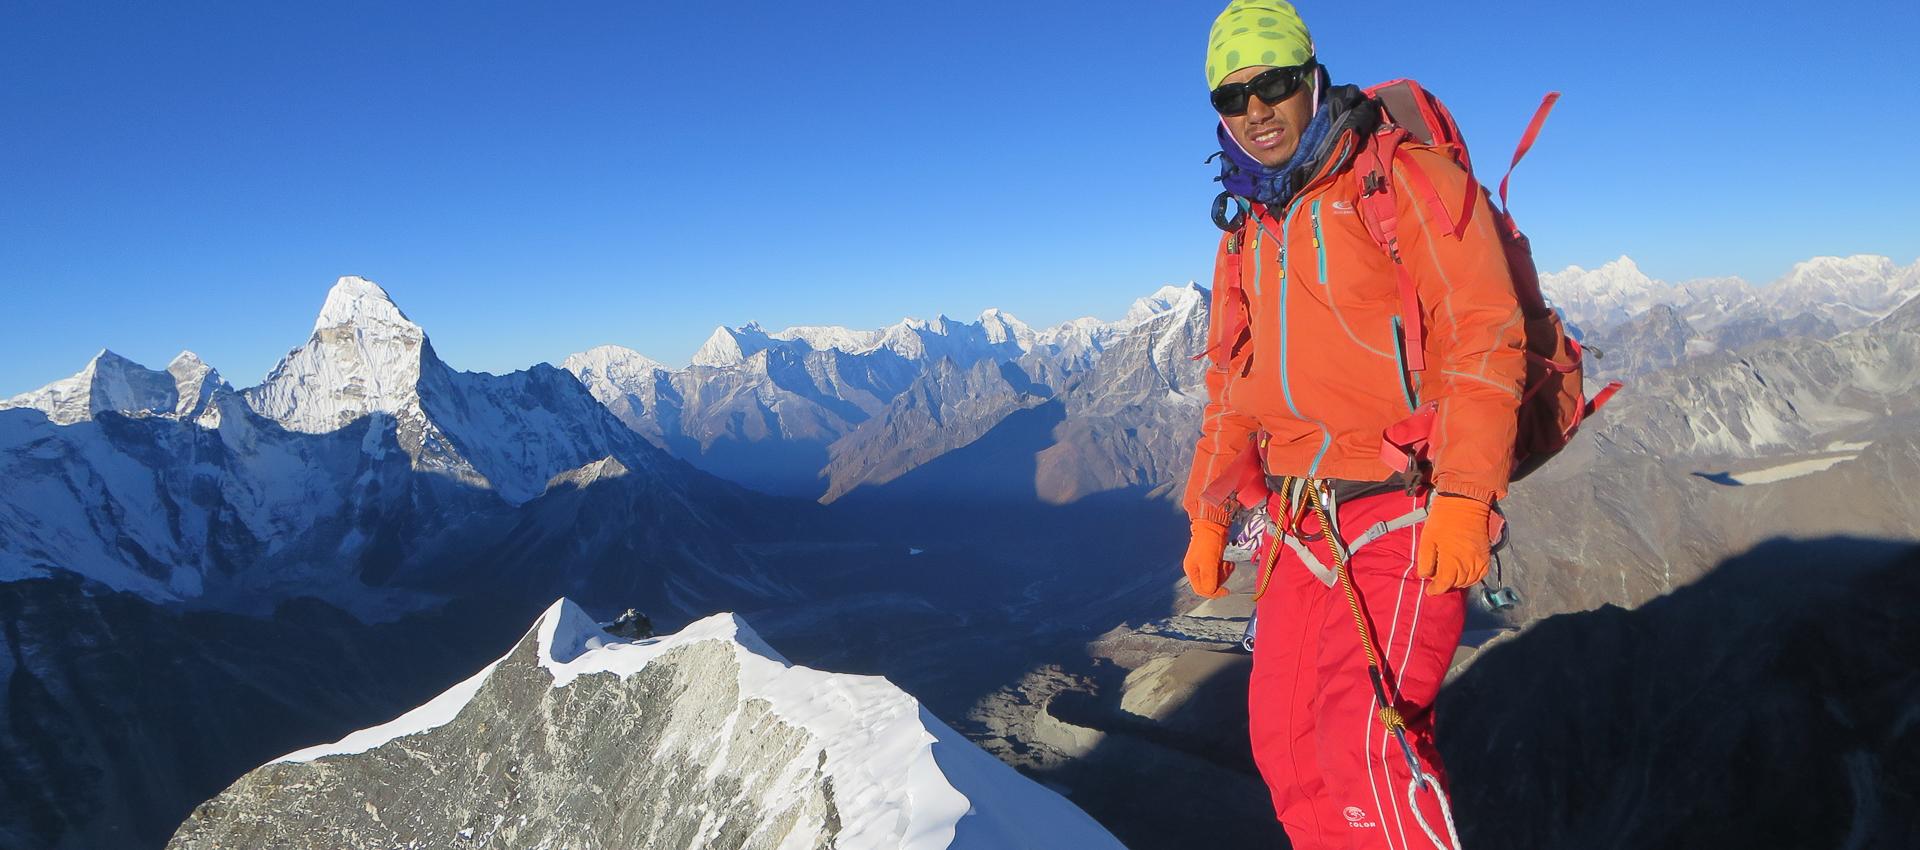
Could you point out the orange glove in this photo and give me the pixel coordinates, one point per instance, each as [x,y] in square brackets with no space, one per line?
[1454,545]
[1205,570]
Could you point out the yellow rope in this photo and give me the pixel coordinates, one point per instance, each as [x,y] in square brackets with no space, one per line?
[1273,558]
[1390,718]
[1318,502]
[1273,539]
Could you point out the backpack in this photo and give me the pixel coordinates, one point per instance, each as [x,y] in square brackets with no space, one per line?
[1553,403]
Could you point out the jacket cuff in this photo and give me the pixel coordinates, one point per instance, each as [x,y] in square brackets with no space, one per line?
[1204,512]
[1451,484]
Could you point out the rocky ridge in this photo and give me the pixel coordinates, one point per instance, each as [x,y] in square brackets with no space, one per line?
[703,739]
[780,410]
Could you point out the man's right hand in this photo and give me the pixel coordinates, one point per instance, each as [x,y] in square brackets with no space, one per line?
[1205,570]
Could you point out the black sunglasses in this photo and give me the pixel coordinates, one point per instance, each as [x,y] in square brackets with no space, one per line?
[1270,86]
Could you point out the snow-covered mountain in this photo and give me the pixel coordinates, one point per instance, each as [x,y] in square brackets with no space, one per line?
[113,384]
[1610,294]
[507,433]
[341,476]
[767,408]
[707,738]
[914,339]
[1122,419]
[1849,292]
[1821,297]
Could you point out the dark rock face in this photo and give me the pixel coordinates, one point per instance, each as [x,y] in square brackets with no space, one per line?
[603,762]
[1770,704]
[119,715]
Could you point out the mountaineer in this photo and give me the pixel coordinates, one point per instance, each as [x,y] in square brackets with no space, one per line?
[1375,321]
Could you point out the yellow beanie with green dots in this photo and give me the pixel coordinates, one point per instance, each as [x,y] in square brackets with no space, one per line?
[1256,32]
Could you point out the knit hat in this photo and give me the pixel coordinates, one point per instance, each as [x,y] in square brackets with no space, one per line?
[1256,32]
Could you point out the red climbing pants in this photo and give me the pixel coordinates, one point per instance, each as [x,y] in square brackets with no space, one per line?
[1338,779]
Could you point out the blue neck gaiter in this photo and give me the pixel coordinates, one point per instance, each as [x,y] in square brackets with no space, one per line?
[1244,176]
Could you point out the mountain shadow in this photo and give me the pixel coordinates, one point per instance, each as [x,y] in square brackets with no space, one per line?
[119,716]
[1769,704]
[995,471]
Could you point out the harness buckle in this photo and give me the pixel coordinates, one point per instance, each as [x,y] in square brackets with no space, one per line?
[1413,475]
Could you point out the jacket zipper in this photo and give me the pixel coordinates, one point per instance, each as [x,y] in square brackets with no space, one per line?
[1319,245]
[1286,379]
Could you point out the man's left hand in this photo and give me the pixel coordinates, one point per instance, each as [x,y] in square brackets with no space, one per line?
[1454,547]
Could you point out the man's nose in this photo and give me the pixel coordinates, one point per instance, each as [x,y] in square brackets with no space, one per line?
[1258,110]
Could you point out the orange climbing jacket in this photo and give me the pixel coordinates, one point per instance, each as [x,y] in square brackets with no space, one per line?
[1387,320]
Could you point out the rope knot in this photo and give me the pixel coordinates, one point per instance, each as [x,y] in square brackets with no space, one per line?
[1390,718]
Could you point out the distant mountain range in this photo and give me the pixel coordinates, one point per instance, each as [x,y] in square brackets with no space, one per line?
[779,411]
[1653,324]
[364,455]
[360,464]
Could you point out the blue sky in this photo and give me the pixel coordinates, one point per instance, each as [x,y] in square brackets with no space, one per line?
[532,179]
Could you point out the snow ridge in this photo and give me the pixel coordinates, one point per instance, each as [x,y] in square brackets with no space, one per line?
[902,778]
[1847,292]
[108,383]
[995,334]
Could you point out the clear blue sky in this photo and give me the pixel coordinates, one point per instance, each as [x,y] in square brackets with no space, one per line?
[530,179]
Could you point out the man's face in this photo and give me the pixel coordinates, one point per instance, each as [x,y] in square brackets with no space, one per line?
[1270,132]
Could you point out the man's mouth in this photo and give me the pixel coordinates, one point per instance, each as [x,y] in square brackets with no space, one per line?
[1268,139]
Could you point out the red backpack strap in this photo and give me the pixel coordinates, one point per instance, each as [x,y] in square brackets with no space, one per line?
[1380,213]
[1600,399]
[1423,185]
[1527,140]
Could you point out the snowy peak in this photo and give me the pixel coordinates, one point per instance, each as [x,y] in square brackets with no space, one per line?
[616,364]
[1167,299]
[1608,295]
[730,347]
[604,469]
[718,732]
[113,384]
[365,356]
[195,384]
[1003,328]
[108,384]
[1852,291]
[354,300]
